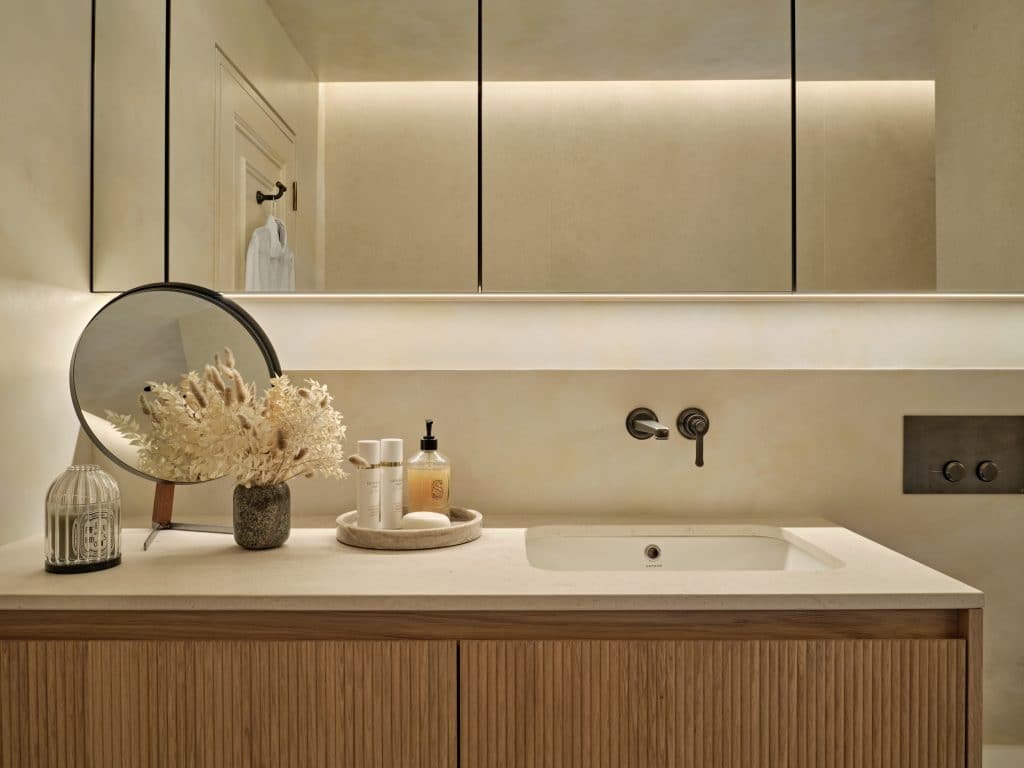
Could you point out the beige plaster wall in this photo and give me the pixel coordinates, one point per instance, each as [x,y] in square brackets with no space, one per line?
[587,186]
[637,186]
[708,332]
[866,186]
[249,35]
[128,161]
[44,234]
[626,186]
[980,144]
[400,186]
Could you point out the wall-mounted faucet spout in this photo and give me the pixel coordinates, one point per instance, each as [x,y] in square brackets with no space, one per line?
[660,431]
[642,423]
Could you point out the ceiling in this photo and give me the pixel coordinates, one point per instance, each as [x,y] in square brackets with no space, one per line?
[390,40]
[409,40]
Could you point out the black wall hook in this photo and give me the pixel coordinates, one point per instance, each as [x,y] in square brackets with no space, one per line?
[281,189]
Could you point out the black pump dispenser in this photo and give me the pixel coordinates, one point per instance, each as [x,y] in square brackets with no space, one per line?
[429,442]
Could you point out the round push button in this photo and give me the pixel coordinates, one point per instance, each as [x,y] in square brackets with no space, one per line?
[988,471]
[954,471]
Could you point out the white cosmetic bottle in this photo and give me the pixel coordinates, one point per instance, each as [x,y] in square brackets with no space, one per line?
[392,483]
[368,486]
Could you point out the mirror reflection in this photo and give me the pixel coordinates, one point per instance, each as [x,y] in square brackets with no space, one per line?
[626,146]
[910,145]
[636,146]
[366,115]
[156,334]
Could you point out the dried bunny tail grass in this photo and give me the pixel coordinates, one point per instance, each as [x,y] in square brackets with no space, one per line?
[359,461]
[229,357]
[213,376]
[244,395]
[216,423]
[197,393]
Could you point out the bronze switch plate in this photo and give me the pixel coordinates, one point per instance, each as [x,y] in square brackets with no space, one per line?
[932,444]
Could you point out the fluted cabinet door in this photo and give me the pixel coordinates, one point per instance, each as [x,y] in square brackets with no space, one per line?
[711,704]
[373,704]
[41,704]
[385,704]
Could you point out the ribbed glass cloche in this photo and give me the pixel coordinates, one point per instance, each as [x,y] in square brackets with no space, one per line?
[83,521]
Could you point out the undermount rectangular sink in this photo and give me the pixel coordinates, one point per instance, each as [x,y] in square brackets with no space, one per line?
[672,548]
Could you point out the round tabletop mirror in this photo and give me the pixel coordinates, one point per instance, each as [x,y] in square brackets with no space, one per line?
[157,333]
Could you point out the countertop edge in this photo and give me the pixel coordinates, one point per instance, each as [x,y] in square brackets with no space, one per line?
[419,604]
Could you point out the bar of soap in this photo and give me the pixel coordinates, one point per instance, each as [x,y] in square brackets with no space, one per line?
[415,520]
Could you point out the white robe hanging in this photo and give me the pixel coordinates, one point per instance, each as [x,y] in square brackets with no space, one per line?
[269,262]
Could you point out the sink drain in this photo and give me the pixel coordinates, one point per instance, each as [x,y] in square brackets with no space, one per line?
[652,552]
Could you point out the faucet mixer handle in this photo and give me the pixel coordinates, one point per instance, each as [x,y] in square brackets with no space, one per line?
[693,424]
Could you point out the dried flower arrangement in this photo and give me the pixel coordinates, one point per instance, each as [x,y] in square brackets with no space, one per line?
[216,425]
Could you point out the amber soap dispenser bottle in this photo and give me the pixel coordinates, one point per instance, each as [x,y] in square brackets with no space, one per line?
[429,477]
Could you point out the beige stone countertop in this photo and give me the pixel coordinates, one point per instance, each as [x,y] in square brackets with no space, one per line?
[312,571]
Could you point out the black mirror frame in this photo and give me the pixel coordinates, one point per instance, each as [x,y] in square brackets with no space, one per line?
[205,294]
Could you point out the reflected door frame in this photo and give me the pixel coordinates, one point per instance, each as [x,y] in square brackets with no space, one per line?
[254,148]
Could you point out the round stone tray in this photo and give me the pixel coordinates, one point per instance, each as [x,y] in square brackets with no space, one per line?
[466,526]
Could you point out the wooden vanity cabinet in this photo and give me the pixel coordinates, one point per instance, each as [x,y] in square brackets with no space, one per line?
[894,689]
[716,689]
[694,703]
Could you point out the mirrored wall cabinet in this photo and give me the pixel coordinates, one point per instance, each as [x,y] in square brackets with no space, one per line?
[506,146]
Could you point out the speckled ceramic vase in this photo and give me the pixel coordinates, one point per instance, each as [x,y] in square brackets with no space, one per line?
[262,516]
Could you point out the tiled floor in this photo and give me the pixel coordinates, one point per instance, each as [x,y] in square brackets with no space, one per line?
[1004,756]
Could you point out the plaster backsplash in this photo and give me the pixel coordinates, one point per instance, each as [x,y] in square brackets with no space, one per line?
[552,446]
[44,270]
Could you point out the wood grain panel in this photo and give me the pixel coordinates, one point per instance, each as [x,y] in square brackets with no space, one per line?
[225,703]
[712,704]
[478,625]
[139,704]
[971,627]
[42,704]
[386,704]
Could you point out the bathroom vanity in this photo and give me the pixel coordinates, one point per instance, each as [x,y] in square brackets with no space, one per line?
[811,647]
